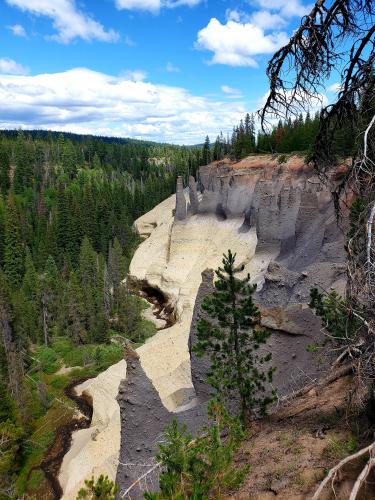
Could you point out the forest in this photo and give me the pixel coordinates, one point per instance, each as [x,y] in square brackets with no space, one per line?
[290,135]
[67,205]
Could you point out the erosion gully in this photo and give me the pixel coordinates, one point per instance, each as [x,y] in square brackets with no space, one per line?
[162,308]
[63,437]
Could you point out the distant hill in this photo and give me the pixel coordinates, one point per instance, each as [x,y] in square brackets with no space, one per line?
[53,134]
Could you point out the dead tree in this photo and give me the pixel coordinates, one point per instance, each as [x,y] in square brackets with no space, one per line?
[297,74]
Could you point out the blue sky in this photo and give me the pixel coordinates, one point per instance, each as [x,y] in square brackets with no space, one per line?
[168,70]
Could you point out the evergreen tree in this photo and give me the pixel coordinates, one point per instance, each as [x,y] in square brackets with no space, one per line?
[4,170]
[23,173]
[50,291]
[75,313]
[116,266]
[206,151]
[13,251]
[232,337]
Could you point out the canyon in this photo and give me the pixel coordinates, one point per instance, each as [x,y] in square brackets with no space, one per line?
[279,219]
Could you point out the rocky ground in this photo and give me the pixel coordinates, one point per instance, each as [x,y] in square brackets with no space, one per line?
[290,452]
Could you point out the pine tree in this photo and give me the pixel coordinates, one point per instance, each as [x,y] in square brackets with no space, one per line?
[2,229]
[206,151]
[50,290]
[232,337]
[23,174]
[75,310]
[116,266]
[11,348]
[27,307]
[62,222]
[13,251]
[4,171]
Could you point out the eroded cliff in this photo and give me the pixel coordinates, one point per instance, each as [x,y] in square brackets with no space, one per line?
[279,219]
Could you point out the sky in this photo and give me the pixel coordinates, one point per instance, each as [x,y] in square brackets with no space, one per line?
[162,70]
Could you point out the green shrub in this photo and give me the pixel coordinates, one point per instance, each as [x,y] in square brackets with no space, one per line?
[202,467]
[107,355]
[35,480]
[58,381]
[337,317]
[79,356]
[103,489]
[48,358]
[144,330]
[62,346]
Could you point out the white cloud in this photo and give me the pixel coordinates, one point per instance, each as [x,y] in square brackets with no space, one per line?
[236,43]
[267,20]
[69,22]
[18,30]
[10,67]
[231,91]
[135,75]
[286,8]
[85,101]
[154,5]
[171,68]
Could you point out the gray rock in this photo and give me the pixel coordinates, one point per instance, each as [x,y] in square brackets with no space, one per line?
[180,213]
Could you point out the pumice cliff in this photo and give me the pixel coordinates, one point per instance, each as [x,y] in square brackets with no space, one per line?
[279,219]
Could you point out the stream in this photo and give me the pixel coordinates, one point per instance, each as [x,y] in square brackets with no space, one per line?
[63,437]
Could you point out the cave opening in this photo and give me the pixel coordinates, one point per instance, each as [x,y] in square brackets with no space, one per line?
[163,309]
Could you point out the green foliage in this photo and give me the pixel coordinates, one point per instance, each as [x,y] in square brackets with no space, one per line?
[206,151]
[101,489]
[232,337]
[10,444]
[66,238]
[47,358]
[13,251]
[201,467]
[337,317]
[339,449]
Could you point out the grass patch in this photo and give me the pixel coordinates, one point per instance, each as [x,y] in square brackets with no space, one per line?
[339,449]
[35,480]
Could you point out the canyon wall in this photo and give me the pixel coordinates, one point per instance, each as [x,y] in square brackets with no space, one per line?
[279,219]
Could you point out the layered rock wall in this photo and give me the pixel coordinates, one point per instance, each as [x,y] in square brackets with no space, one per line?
[279,220]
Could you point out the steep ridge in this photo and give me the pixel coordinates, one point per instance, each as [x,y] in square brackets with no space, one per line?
[279,219]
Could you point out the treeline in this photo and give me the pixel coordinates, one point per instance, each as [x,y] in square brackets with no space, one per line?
[288,136]
[67,207]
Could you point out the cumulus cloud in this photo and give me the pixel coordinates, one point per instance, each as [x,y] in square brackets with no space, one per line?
[68,20]
[85,101]
[237,43]
[289,8]
[135,75]
[267,20]
[154,5]
[10,67]
[18,30]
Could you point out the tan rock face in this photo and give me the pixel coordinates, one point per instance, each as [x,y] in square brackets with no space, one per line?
[172,259]
[94,451]
[259,209]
